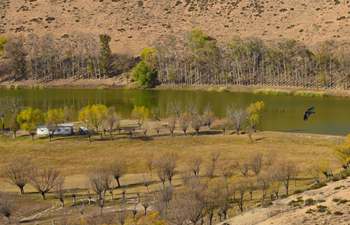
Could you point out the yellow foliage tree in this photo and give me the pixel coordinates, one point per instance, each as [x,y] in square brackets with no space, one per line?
[54,117]
[29,119]
[93,116]
[254,111]
[343,152]
[141,113]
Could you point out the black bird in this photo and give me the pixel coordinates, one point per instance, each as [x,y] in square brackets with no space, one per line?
[309,112]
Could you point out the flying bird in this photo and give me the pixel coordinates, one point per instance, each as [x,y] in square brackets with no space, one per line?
[309,112]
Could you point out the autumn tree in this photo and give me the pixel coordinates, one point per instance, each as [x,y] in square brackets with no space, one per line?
[44,179]
[286,171]
[29,119]
[256,163]
[237,118]
[165,166]
[118,169]
[194,165]
[100,181]
[112,121]
[93,116]
[53,118]
[342,151]
[212,164]
[254,112]
[184,122]
[196,122]
[16,53]
[60,191]
[18,172]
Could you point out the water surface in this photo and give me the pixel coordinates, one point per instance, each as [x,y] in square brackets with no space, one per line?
[283,113]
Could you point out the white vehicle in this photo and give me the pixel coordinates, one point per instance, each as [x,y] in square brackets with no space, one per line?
[42,131]
[60,130]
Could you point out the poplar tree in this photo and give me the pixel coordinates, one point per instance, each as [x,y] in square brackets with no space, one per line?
[105,55]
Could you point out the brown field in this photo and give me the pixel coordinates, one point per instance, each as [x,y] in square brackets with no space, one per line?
[75,157]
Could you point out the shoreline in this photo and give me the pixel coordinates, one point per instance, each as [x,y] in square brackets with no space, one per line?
[123,83]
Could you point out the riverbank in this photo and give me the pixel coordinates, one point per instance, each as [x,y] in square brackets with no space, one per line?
[124,82]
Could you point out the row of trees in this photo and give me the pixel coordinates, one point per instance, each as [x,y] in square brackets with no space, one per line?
[77,56]
[209,187]
[196,59]
[100,119]
[200,59]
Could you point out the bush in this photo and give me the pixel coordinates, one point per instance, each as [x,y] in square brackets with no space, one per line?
[3,41]
[144,75]
[309,202]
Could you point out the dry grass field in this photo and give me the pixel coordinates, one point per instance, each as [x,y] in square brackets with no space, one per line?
[75,157]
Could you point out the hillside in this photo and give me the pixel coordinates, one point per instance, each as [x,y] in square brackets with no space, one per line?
[134,24]
[327,205]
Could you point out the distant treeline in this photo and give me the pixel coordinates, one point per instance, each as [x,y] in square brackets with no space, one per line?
[80,56]
[196,59]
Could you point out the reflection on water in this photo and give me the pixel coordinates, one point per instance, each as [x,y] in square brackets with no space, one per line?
[283,113]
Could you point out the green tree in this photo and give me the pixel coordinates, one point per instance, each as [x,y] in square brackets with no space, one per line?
[16,53]
[53,118]
[29,119]
[93,116]
[105,55]
[145,72]
[144,75]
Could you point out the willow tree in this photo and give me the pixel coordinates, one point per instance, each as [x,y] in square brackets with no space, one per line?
[29,119]
[53,118]
[93,116]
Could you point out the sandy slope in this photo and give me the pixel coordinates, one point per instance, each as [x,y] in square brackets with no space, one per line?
[134,24]
[336,197]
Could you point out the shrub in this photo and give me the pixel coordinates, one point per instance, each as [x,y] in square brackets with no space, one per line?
[3,41]
[309,202]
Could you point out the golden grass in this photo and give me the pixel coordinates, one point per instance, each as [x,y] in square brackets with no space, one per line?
[76,156]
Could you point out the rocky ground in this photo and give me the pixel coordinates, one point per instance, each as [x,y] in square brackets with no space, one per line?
[134,24]
[327,205]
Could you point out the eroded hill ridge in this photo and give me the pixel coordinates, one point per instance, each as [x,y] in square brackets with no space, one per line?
[134,24]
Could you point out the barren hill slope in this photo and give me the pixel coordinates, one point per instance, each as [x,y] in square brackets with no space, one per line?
[134,24]
[328,205]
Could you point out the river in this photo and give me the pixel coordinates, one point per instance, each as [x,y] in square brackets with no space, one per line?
[282,113]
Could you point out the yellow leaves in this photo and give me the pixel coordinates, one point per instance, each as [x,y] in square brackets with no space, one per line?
[141,113]
[149,56]
[29,118]
[254,113]
[55,116]
[343,151]
[93,115]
